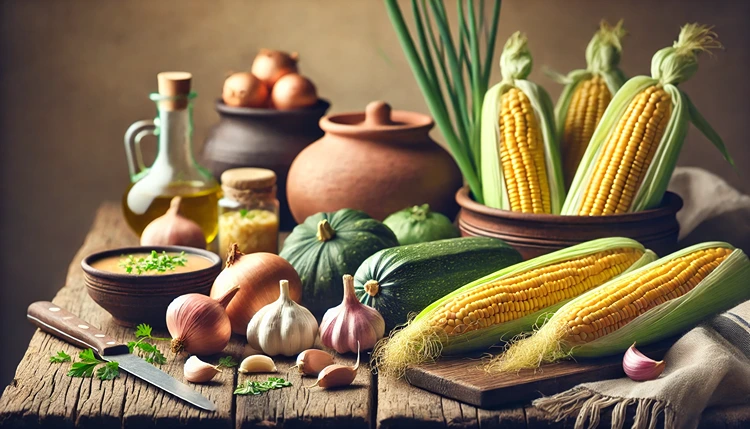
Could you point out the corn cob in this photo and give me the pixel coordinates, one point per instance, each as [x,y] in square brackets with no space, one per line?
[654,302]
[633,151]
[510,301]
[587,94]
[520,160]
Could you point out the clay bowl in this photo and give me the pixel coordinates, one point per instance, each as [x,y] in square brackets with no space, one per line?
[533,234]
[132,299]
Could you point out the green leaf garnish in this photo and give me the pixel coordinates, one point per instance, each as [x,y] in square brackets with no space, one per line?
[60,357]
[256,388]
[109,371]
[243,212]
[85,368]
[227,362]
[153,262]
[149,352]
[143,330]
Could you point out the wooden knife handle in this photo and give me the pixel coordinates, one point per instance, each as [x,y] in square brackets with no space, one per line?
[55,320]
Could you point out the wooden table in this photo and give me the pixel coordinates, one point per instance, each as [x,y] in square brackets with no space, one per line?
[41,395]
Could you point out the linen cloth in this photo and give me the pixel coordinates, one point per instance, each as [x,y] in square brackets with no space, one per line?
[708,366]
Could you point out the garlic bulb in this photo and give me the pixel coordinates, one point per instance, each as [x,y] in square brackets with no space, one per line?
[351,323]
[640,367]
[312,361]
[257,363]
[197,371]
[198,324]
[173,229]
[282,327]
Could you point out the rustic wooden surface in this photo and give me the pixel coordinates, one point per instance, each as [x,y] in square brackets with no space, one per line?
[41,395]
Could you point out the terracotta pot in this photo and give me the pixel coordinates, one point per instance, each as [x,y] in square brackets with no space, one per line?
[379,161]
[534,234]
[265,138]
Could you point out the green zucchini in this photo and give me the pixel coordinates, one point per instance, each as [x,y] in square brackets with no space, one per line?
[402,280]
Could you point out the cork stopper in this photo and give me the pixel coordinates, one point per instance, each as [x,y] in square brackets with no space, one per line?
[248,178]
[174,84]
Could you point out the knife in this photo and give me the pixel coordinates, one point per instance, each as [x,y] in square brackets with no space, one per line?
[55,320]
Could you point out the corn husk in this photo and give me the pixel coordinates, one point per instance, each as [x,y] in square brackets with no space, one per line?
[669,67]
[516,63]
[721,290]
[418,342]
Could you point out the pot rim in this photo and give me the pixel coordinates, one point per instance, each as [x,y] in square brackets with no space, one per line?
[318,108]
[135,279]
[672,203]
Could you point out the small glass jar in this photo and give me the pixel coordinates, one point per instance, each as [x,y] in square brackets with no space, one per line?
[249,211]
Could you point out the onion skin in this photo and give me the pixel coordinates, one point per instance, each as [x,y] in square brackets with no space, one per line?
[269,65]
[293,91]
[258,276]
[198,324]
[244,90]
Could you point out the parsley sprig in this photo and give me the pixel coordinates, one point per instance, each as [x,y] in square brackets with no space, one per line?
[153,262]
[148,351]
[60,357]
[227,362]
[89,362]
[256,388]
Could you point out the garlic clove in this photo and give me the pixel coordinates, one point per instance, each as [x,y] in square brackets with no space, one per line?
[337,375]
[350,323]
[173,229]
[257,363]
[640,367]
[312,361]
[197,371]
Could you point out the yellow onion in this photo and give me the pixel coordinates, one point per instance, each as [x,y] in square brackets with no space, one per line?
[173,229]
[258,276]
[244,90]
[198,324]
[269,65]
[293,91]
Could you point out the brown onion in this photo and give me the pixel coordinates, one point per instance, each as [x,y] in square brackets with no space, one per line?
[258,276]
[269,66]
[173,229]
[244,90]
[198,324]
[293,91]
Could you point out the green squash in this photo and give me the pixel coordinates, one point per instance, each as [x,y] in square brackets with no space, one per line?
[327,246]
[404,280]
[419,225]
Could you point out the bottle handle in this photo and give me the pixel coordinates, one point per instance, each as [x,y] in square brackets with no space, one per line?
[133,137]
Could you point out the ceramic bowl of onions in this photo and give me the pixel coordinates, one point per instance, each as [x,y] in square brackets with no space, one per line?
[136,284]
[268,114]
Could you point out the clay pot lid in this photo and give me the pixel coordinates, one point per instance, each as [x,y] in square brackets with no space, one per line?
[248,178]
[377,119]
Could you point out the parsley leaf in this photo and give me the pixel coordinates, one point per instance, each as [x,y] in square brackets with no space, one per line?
[227,362]
[153,262]
[150,353]
[243,212]
[60,357]
[109,371]
[88,356]
[256,388]
[143,330]
[82,369]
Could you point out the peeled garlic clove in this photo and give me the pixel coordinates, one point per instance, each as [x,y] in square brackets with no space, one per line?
[257,363]
[350,323]
[337,375]
[312,361]
[173,229]
[197,371]
[640,367]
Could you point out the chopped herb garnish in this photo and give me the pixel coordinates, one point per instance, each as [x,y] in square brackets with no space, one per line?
[243,212]
[149,352]
[85,368]
[256,388]
[227,362]
[60,357]
[153,262]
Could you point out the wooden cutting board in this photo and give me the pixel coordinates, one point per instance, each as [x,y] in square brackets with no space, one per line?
[463,379]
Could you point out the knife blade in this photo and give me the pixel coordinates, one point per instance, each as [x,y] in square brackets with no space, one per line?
[55,320]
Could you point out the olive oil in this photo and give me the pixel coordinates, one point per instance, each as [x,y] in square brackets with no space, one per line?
[199,204]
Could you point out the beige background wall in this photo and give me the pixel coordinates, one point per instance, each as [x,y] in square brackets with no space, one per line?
[75,74]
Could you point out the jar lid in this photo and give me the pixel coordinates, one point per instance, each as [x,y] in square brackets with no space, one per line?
[379,121]
[248,178]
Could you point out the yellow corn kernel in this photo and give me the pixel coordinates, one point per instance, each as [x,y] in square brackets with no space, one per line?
[524,293]
[522,155]
[627,154]
[587,105]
